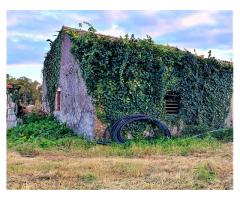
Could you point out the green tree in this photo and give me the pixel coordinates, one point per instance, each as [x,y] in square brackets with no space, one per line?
[30,91]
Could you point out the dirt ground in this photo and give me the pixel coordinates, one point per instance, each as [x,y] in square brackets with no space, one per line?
[54,170]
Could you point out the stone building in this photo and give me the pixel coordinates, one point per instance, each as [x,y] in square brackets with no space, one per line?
[73,104]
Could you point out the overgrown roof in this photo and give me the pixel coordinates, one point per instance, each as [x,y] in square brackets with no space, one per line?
[80,31]
[66,29]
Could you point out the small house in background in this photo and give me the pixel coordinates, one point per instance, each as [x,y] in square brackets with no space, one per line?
[12,106]
[88,88]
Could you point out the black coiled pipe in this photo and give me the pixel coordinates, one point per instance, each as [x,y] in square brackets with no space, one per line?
[119,124]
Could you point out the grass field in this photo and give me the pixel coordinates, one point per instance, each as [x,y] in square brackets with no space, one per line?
[96,168]
[43,154]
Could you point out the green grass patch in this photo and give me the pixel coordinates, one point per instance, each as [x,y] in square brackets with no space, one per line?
[28,150]
[88,178]
[225,135]
[48,134]
[204,174]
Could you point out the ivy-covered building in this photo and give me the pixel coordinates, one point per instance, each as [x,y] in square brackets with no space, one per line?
[90,80]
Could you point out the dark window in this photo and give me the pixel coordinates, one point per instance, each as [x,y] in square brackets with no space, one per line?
[172,100]
[58,100]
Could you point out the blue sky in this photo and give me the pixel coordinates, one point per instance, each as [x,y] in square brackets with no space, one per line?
[27,32]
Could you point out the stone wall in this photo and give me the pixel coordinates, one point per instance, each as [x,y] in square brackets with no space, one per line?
[12,120]
[176,130]
[229,119]
[45,104]
[76,107]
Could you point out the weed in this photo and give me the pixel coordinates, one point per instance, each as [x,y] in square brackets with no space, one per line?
[88,178]
[184,152]
[225,135]
[35,117]
[192,130]
[204,174]
[28,150]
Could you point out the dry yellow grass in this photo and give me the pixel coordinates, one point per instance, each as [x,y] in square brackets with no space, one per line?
[54,170]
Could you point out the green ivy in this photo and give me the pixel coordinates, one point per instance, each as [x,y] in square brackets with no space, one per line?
[51,69]
[128,75]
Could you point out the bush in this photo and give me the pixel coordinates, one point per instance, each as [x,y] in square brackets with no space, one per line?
[38,129]
[35,117]
[225,135]
[193,130]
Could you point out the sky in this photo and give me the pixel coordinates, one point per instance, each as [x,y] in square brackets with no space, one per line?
[27,32]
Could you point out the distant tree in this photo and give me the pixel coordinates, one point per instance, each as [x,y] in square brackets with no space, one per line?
[30,91]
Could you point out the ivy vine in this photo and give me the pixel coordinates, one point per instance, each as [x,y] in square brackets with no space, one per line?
[51,69]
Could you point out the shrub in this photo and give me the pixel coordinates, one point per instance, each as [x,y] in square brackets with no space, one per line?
[46,127]
[34,117]
[193,130]
[222,134]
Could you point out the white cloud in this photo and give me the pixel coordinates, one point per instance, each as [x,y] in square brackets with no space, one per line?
[15,40]
[223,54]
[161,28]
[20,46]
[198,18]
[218,31]
[166,26]
[15,36]
[115,30]
[116,15]
[77,18]
[149,13]
[24,66]
[12,21]
[49,13]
